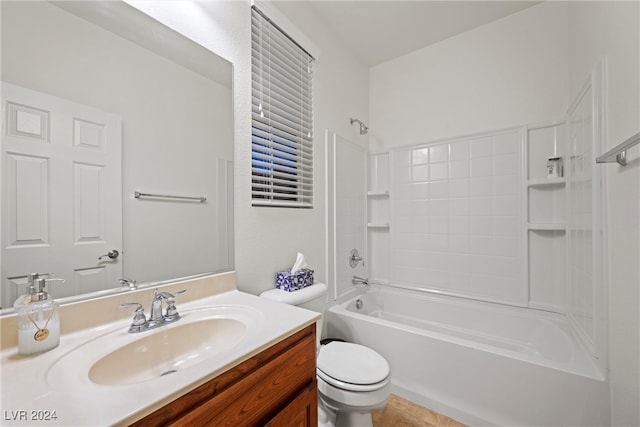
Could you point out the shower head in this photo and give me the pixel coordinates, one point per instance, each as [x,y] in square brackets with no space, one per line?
[363,128]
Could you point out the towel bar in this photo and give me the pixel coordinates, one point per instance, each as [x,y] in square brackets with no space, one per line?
[138,194]
[619,152]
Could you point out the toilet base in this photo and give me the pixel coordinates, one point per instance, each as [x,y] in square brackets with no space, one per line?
[326,416]
[329,417]
[354,419]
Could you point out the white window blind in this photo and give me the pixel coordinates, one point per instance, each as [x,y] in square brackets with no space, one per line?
[282,118]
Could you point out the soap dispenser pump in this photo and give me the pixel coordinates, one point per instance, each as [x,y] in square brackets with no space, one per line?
[38,321]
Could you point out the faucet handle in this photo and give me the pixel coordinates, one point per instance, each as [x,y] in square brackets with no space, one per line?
[168,296]
[139,319]
[172,312]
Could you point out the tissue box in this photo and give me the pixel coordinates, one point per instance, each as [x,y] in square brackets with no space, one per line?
[289,282]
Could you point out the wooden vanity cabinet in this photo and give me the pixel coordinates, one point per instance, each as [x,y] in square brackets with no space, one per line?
[277,387]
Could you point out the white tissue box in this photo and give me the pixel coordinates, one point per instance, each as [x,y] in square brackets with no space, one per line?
[288,281]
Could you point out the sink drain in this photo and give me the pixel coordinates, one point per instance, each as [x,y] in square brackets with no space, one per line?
[168,372]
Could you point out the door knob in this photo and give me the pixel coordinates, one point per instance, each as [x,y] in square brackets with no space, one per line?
[112,254]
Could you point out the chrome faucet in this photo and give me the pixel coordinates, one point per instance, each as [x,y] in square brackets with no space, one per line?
[131,283]
[156,319]
[356,280]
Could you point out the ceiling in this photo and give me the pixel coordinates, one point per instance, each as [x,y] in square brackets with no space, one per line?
[378,31]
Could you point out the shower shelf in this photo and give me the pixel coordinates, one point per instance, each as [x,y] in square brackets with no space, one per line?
[546,226]
[544,182]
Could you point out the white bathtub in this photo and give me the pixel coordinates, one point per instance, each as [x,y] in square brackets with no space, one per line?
[480,363]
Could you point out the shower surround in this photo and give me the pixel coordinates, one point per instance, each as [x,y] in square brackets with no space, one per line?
[475,232]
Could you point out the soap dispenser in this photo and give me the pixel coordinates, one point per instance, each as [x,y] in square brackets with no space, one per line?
[38,318]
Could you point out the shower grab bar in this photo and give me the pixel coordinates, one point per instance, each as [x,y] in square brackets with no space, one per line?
[138,194]
[619,152]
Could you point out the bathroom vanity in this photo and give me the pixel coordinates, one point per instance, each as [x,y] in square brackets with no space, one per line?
[274,388]
[232,359]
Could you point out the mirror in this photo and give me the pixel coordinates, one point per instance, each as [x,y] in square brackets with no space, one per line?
[100,101]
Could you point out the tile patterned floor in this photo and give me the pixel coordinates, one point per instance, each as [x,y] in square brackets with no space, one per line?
[402,413]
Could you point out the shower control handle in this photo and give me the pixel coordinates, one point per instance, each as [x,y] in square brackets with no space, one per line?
[355,258]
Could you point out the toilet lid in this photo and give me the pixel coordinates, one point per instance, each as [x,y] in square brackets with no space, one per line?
[352,363]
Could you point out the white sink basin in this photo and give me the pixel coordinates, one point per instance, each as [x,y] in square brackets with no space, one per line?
[119,358]
[167,351]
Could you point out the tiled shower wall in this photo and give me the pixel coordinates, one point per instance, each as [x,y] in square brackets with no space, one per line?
[456,209]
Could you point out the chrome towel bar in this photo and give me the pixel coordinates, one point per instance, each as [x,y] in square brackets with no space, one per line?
[138,194]
[619,152]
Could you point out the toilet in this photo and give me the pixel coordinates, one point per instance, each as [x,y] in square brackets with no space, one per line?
[352,379]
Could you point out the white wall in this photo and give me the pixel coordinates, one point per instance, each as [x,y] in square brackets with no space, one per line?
[267,239]
[611,29]
[506,73]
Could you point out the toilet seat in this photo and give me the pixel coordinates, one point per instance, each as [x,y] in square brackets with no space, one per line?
[353,367]
[348,386]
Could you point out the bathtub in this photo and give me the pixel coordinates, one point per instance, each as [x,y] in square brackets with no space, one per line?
[480,363]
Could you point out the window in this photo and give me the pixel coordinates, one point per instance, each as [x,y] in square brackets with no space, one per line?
[282,118]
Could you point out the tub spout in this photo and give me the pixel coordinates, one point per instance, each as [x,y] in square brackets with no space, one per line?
[359,280]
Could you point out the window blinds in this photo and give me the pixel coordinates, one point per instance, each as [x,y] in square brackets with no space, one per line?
[282,118]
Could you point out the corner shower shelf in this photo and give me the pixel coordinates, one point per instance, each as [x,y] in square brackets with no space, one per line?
[544,182]
[549,226]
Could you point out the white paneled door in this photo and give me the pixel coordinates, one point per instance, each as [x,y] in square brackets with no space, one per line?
[61,193]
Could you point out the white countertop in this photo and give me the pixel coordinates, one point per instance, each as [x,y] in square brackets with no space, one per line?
[36,387]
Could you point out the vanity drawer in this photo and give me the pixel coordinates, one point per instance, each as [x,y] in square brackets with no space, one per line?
[278,383]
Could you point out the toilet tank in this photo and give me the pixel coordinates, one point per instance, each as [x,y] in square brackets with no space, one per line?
[312,298]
